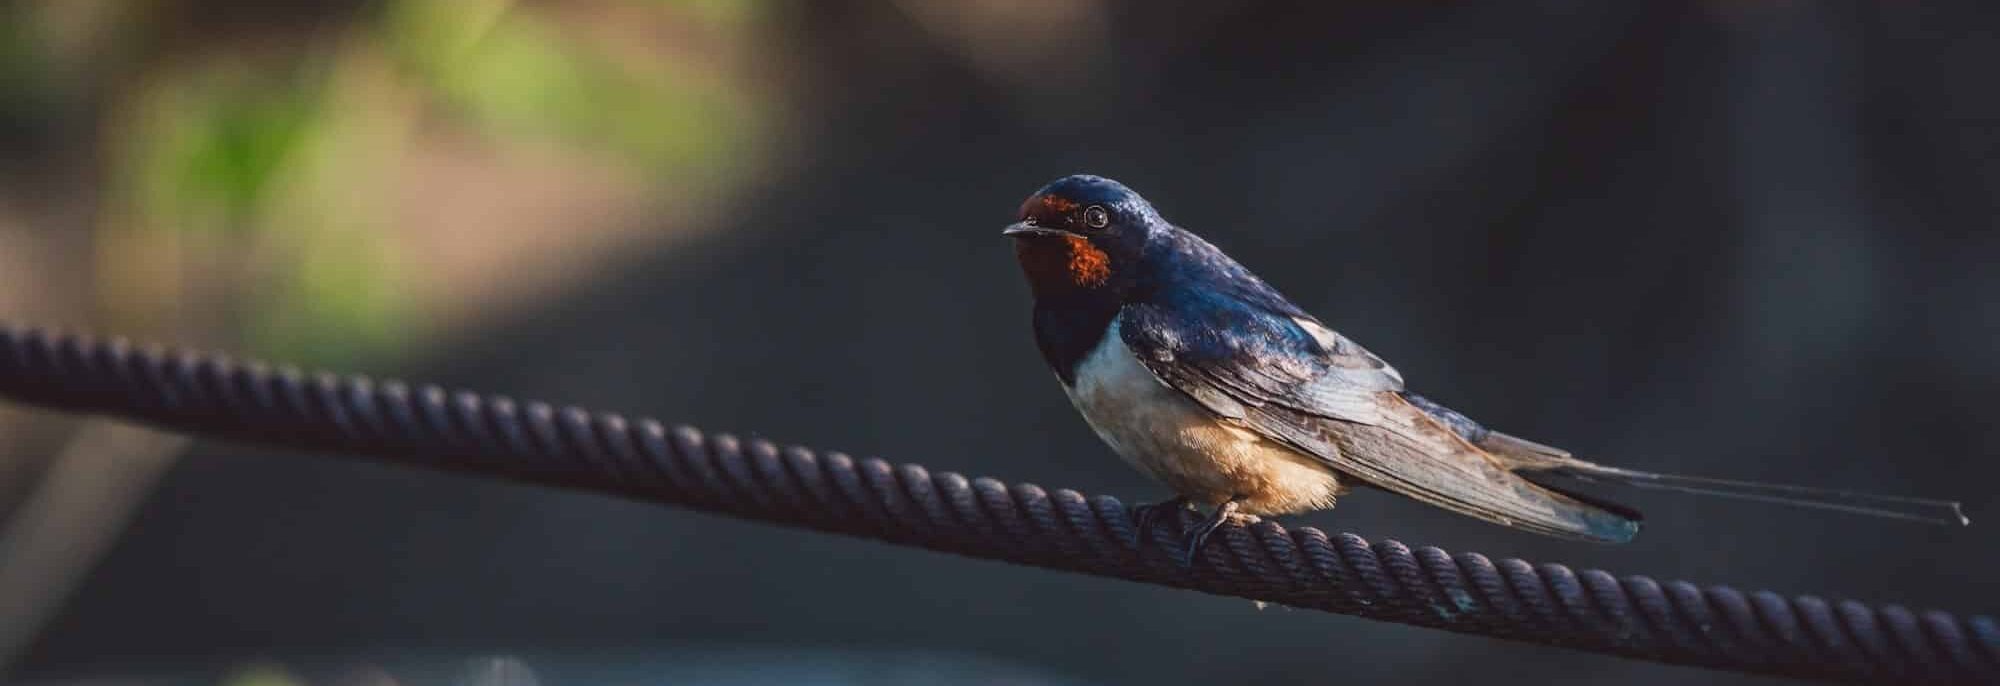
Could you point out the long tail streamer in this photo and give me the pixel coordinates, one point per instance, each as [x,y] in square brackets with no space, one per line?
[1926,510]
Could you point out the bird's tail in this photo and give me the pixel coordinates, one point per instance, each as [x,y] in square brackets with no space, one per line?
[1926,510]
[1532,458]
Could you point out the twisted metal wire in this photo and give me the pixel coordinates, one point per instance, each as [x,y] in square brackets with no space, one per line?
[1633,616]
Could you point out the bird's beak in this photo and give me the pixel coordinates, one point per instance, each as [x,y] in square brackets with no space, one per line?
[1026,230]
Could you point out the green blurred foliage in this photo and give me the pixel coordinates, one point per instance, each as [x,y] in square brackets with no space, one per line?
[210,144]
[261,674]
[22,72]
[284,153]
[267,155]
[519,75]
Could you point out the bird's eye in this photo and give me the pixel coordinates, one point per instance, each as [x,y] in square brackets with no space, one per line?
[1095,217]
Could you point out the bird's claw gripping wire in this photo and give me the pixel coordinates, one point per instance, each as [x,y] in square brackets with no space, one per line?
[1145,517]
[1198,537]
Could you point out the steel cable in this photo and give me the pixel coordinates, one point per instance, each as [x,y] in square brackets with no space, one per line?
[1633,616]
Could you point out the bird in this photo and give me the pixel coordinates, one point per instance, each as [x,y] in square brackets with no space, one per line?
[1202,376]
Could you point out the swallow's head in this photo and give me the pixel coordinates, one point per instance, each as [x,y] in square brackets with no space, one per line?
[1082,235]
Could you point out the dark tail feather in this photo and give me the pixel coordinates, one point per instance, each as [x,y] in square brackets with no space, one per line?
[1925,510]
[1616,509]
[1530,458]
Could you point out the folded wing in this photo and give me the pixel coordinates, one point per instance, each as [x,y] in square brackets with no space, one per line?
[1292,380]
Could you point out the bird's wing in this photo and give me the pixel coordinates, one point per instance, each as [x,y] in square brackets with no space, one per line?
[1294,381]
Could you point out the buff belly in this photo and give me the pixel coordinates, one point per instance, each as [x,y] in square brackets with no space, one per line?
[1166,435]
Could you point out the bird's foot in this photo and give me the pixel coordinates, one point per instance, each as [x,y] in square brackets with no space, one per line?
[1198,538]
[1145,516]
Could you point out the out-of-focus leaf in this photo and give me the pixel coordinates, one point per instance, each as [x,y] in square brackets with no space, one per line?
[282,162]
[261,674]
[339,303]
[21,77]
[519,75]
[205,146]
[257,185]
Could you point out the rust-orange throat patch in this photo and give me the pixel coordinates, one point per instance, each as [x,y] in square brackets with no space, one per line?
[1088,266]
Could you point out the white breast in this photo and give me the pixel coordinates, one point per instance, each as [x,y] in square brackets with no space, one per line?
[1171,438]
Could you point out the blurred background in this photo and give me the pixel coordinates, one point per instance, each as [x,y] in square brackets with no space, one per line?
[1743,240]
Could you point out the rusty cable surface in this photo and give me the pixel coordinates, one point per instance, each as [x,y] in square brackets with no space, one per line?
[426,426]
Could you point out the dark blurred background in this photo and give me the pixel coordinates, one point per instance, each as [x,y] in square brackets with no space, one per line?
[1747,240]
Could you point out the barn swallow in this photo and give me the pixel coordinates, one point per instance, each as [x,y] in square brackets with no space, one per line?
[1205,378]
